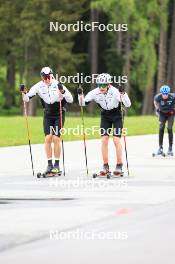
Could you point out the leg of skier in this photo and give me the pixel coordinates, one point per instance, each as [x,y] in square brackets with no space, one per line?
[162,121]
[48,150]
[117,123]
[118,147]
[57,152]
[105,128]
[170,134]
[104,148]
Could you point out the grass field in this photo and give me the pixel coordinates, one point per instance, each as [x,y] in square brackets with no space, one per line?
[13,129]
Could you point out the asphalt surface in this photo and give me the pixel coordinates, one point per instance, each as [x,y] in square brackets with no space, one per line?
[75,219]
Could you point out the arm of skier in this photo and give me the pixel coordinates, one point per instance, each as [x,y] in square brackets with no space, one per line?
[123,97]
[125,100]
[156,105]
[65,93]
[83,101]
[28,95]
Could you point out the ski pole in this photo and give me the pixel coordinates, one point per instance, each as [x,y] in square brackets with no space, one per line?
[124,137]
[27,125]
[80,92]
[60,87]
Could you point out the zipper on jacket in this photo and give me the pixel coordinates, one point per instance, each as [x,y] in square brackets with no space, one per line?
[106,101]
[49,95]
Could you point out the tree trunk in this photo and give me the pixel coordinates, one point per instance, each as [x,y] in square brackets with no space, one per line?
[126,68]
[161,77]
[94,51]
[29,72]
[162,53]
[9,91]
[32,107]
[171,59]
[119,42]
[148,101]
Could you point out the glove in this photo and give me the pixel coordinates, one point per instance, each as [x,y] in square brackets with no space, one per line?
[121,89]
[79,91]
[22,88]
[61,89]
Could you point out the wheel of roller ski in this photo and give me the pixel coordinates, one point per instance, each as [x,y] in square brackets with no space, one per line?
[38,175]
[108,176]
[94,175]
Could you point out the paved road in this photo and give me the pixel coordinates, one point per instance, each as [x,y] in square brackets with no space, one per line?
[75,219]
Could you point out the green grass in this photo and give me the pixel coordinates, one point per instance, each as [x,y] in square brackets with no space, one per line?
[13,129]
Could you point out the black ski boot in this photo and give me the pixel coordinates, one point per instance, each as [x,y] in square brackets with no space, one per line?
[170,151]
[160,151]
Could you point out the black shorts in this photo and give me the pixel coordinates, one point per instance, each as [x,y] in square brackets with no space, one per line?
[51,125]
[111,120]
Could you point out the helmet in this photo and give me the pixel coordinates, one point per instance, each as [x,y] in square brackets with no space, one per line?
[46,71]
[165,89]
[103,78]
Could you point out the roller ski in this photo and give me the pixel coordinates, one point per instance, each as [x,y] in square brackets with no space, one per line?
[50,172]
[159,153]
[103,173]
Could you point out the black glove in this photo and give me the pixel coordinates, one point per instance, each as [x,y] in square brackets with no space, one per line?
[61,89]
[22,87]
[121,89]
[79,91]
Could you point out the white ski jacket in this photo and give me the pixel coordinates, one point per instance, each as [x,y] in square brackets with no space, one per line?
[107,101]
[49,94]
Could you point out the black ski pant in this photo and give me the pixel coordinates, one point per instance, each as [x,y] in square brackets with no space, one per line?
[162,121]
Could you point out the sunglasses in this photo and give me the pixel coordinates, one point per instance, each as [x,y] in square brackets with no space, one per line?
[102,85]
[46,77]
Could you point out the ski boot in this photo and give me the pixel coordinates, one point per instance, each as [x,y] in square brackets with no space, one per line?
[118,170]
[160,151]
[56,169]
[170,152]
[104,172]
[46,173]
[49,169]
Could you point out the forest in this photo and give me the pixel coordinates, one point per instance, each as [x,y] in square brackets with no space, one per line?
[140,51]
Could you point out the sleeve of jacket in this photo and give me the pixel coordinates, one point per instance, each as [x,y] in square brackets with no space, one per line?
[67,95]
[32,92]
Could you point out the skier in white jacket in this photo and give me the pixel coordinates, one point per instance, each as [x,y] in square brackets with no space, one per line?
[109,99]
[51,92]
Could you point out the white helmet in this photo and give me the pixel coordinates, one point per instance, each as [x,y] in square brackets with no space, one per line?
[104,78]
[46,71]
